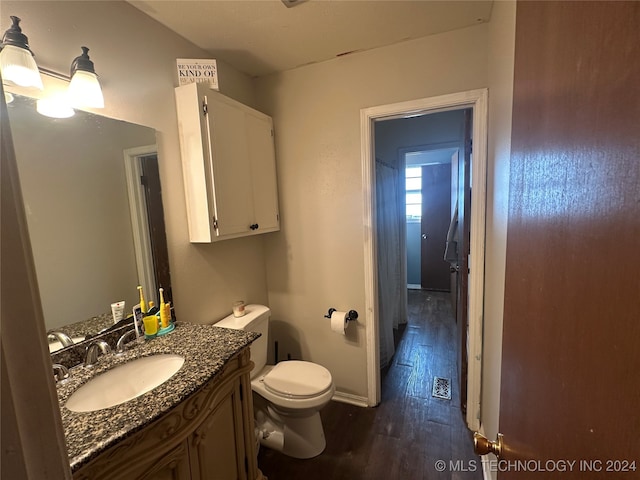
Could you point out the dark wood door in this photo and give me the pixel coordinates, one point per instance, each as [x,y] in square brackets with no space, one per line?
[571,361]
[453,281]
[436,216]
[155,215]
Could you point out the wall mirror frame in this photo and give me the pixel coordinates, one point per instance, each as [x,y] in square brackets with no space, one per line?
[93,201]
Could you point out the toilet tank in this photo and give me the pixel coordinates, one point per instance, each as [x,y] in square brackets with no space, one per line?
[256,319]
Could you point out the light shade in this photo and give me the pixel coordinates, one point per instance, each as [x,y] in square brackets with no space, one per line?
[84,89]
[16,59]
[55,107]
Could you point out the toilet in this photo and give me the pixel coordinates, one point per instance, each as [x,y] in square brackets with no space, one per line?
[288,396]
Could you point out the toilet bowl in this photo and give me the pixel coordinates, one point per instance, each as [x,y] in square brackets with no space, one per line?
[287,396]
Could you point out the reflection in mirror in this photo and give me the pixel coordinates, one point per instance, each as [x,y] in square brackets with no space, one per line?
[88,215]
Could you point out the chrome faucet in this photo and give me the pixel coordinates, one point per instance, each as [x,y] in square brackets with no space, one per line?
[60,372]
[91,356]
[63,338]
[124,340]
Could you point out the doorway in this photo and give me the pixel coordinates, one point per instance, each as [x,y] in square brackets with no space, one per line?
[431,194]
[433,201]
[147,216]
[477,101]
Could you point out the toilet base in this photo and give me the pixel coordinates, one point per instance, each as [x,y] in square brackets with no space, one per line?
[298,437]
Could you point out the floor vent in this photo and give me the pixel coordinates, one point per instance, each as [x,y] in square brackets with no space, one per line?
[441,388]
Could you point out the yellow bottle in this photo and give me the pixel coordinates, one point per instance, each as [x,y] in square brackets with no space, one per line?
[143,305]
[168,308]
[164,319]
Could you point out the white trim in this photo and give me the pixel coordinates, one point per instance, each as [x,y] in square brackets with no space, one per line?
[356,400]
[476,264]
[370,255]
[139,219]
[477,99]
[486,467]
[485,460]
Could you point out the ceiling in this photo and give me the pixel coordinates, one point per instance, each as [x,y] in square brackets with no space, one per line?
[259,37]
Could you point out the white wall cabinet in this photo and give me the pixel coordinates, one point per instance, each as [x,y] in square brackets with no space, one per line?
[228,163]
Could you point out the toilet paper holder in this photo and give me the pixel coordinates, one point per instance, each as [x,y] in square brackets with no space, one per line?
[351,315]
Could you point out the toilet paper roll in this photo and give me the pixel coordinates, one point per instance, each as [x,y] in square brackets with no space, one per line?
[339,322]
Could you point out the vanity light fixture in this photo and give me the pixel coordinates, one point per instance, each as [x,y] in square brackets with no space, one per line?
[18,66]
[16,58]
[84,89]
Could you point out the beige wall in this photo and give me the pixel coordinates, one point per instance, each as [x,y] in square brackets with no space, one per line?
[135,58]
[500,62]
[317,260]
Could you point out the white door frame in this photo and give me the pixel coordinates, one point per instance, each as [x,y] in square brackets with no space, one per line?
[476,99]
[139,218]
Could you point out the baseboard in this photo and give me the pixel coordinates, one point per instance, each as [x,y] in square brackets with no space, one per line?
[351,399]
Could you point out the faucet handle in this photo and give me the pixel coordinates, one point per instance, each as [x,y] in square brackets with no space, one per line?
[124,340]
[64,339]
[60,372]
[91,356]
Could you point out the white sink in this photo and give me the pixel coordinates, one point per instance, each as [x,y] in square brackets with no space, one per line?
[56,345]
[124,382]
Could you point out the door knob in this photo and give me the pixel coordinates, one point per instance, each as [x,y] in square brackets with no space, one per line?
[424,236]
[482,446]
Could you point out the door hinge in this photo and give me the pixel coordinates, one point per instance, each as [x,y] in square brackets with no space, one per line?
[143,180]
[215,223]
[272,132]
[205,108]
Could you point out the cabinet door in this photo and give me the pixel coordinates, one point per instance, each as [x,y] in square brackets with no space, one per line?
[174,466]
[231,167]
[138,461]
[217,446]
[262,157]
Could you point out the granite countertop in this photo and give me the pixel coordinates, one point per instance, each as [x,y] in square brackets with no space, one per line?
[90,326]
[205,348]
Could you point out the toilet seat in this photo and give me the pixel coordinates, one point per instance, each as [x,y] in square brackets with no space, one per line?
[298,379]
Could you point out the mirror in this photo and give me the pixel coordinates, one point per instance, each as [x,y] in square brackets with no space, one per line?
[88,215]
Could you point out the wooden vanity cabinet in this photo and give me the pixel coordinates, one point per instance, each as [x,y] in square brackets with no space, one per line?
[228,166]
[209,436]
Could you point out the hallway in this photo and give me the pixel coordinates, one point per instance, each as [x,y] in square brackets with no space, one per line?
[410,430]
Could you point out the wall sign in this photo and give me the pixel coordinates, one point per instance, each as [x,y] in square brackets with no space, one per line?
[192,70]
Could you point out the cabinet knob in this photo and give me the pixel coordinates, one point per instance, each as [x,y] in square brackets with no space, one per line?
[254,226]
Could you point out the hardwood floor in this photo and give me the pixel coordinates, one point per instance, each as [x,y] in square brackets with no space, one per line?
[410,430]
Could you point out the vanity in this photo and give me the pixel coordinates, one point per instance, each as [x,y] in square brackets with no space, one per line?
[198,424]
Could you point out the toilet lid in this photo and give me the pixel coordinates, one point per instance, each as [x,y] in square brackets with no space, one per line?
[295,378]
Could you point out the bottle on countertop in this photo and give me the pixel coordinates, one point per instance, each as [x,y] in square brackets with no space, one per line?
[164,318]
[143,304]
[153,309]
